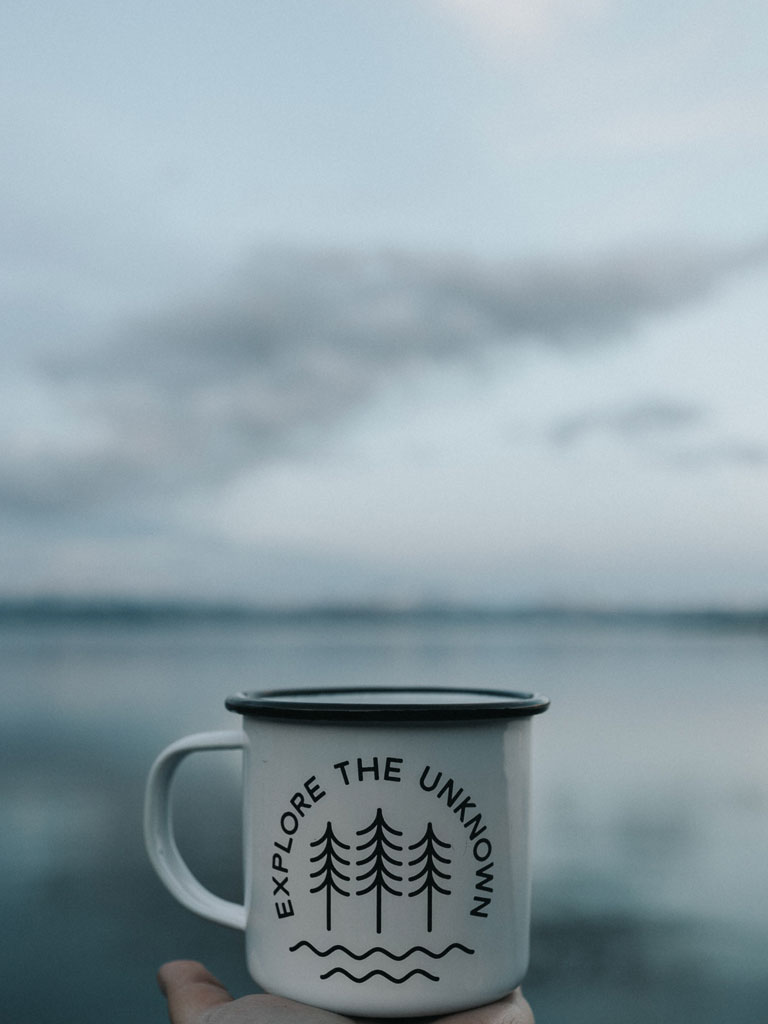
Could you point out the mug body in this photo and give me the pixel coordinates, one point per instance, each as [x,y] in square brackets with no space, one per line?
[386,854]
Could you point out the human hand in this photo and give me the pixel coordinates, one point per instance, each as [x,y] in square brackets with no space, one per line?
[196,997]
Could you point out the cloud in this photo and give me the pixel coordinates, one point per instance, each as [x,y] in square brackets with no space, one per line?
[661,427]
[726,452]
[519,19]
[640,420]
[297,340]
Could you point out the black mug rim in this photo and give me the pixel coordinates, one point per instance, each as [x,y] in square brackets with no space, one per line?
[334,704]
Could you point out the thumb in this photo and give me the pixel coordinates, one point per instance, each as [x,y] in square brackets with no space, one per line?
[190,990]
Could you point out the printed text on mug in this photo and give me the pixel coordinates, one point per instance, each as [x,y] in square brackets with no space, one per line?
[378,860]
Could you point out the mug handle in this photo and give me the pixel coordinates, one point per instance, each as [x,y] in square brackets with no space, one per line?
[158,829]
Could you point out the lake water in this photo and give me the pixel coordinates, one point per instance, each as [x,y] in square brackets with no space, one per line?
[650,798]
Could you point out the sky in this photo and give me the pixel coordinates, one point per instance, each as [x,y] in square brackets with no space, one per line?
[424,300]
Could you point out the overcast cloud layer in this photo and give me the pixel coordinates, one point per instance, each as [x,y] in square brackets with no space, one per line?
[299,339]
[351,409]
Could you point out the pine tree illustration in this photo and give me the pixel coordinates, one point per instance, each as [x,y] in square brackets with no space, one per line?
[430,872]
[329,872]
[380,860]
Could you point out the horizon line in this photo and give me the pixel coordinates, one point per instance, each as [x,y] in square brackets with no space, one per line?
[146,607]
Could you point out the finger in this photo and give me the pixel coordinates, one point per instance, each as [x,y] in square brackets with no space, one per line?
[190,989]
[512,1009]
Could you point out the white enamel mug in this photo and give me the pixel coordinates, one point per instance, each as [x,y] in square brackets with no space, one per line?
[386,845]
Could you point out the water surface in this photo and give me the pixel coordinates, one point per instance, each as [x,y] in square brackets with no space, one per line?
[650,796]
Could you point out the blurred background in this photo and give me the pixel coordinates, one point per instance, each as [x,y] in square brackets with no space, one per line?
[409,343]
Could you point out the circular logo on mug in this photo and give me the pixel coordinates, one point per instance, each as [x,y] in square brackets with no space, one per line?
[375,857]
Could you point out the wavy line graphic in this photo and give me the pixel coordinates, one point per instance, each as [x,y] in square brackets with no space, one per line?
[359,981]
[380,949]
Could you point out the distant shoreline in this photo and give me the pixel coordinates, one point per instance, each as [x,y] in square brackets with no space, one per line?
[127,611]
